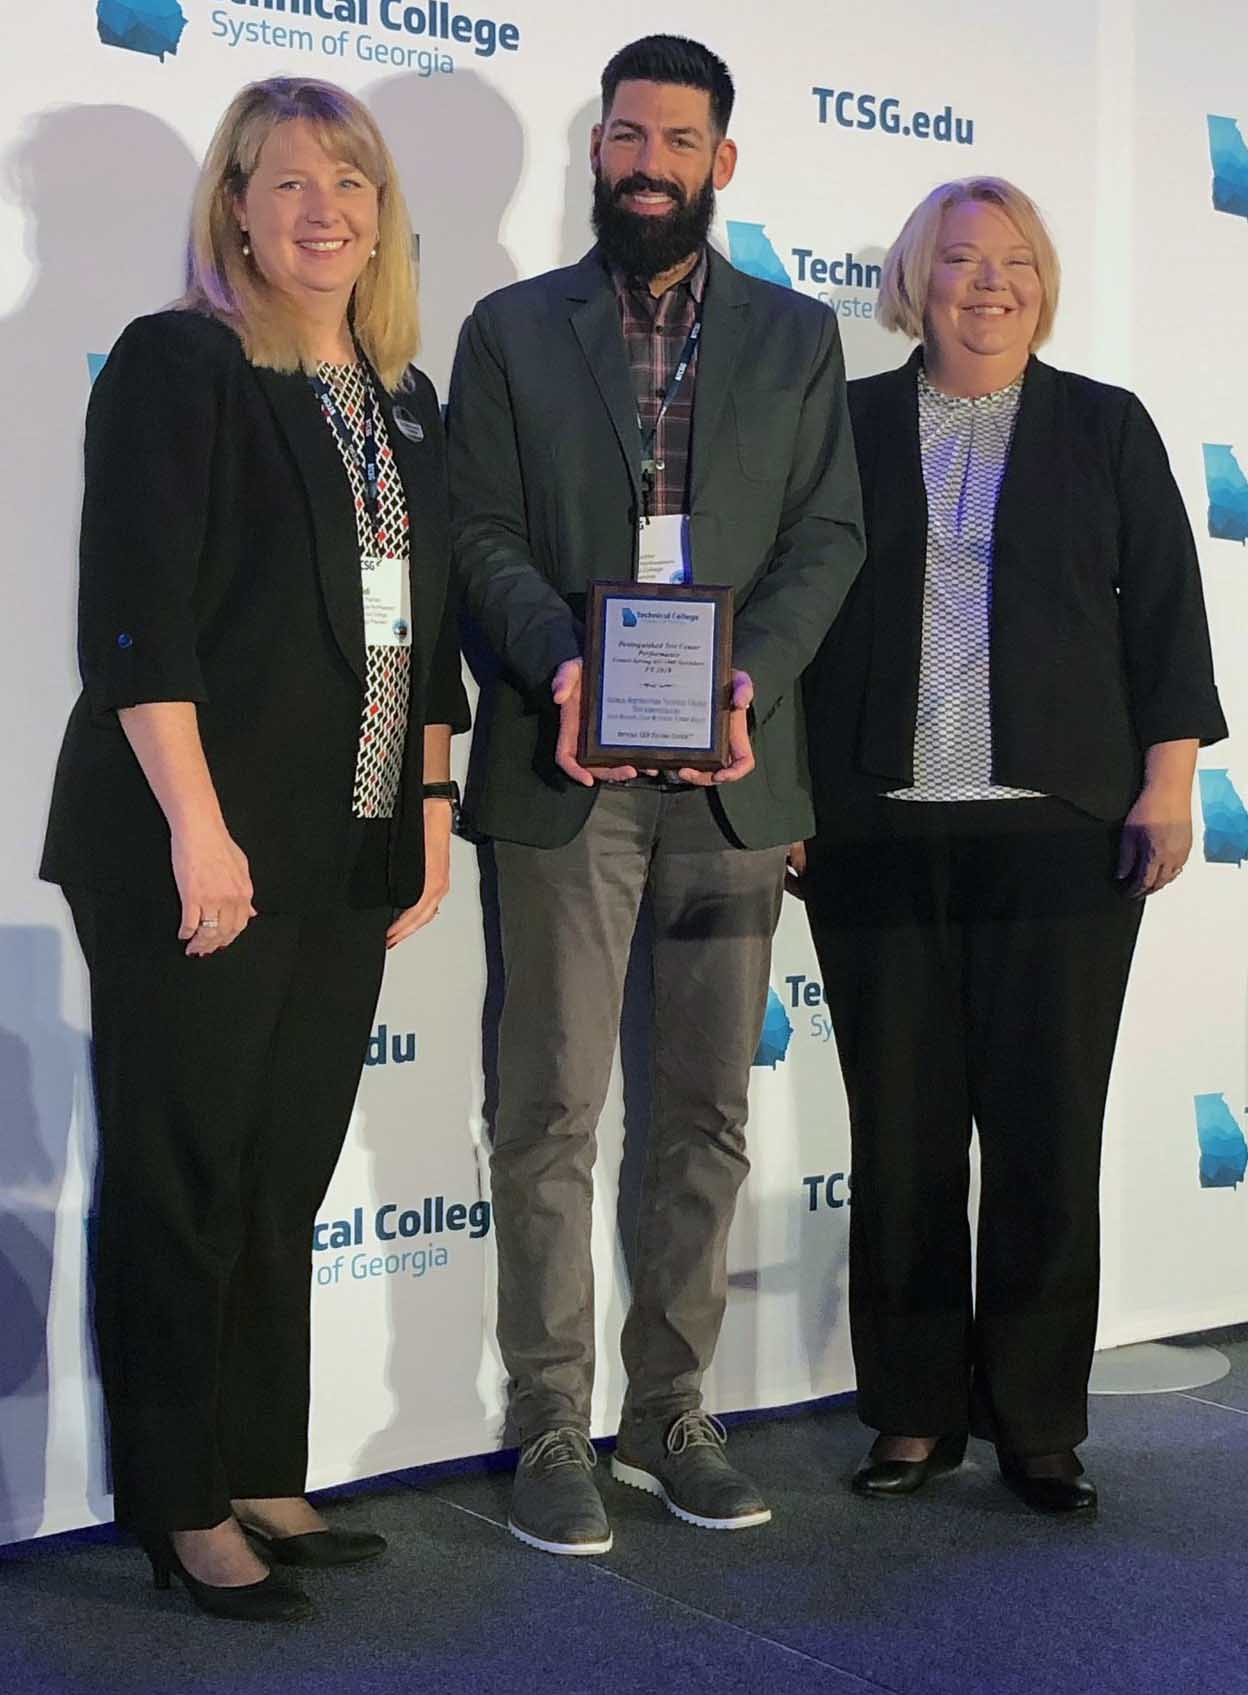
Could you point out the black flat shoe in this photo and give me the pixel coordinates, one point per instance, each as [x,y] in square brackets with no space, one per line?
[887,1478]
[271,1601]
[1072,1494]
[317,1549]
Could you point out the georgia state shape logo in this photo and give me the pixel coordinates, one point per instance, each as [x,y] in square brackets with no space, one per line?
[142,26]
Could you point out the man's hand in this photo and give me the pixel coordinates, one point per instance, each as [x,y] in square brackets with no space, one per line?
[795,870]
[437,875]
[740,753]
[1156,839]
[566,689]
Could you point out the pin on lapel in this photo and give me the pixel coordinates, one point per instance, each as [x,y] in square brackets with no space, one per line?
[408,426]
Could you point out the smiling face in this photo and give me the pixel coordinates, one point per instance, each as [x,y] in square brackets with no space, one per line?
[658,162]
[984,297]
[310,219]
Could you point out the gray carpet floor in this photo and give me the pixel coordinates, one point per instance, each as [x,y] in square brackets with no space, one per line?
[959,1591]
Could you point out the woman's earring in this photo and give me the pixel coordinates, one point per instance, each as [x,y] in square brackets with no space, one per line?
[246,248]
[373,254]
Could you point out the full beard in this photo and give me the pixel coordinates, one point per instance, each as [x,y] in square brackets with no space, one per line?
[645,247]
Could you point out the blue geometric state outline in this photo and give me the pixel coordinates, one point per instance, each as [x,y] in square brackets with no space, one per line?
[1228,154]
[751,251]
[1223,1145]
[773,1044]
[1225,819]
[141,26]
[1227,487]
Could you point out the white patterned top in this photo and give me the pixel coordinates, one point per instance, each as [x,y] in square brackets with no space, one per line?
[383,725]
[964,444]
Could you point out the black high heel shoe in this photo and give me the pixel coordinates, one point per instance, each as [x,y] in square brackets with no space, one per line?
[315,1550]
[885,1479]
[272,1600]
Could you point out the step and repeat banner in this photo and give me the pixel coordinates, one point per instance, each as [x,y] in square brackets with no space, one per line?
[1131,132]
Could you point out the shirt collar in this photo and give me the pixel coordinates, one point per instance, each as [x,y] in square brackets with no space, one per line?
[694,284]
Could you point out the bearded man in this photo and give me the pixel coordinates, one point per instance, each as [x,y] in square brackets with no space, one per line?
[650,413]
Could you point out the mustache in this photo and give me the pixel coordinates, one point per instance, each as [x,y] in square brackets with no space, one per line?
[638,183]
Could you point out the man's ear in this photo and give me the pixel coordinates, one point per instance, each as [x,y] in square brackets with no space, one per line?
[595,145]
[725,164]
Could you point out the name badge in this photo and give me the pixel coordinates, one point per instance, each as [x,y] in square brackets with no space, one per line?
[387,601]
[664,553]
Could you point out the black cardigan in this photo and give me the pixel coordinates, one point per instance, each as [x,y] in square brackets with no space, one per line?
[1100,645]
[220,564]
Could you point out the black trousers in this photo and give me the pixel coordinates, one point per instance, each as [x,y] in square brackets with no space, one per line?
[975,958]
[224,1089]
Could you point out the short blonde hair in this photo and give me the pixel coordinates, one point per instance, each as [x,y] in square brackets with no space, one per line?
[224,283]
[908,263]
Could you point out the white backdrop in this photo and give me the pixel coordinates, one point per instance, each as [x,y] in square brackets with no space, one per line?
[1101,112]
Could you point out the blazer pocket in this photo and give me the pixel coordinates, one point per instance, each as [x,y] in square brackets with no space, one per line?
[766,424]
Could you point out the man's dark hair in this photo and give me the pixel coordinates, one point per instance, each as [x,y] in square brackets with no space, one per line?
[676,59]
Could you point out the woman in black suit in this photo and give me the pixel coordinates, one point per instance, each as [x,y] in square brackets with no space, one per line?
[252,804]
[1003,729]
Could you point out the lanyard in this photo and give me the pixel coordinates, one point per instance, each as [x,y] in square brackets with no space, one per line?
[650,466]
[369,456]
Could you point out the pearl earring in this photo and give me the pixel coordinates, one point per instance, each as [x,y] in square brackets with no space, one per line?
[246,246]
[373,254]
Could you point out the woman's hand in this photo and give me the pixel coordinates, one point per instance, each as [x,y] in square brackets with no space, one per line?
[437,875]
[214,883]
[1156,839]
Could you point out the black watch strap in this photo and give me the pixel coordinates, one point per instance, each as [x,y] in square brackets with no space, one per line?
[442,791]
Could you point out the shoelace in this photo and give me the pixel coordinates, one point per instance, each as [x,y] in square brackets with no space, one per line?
[695,1430]
[560,1447]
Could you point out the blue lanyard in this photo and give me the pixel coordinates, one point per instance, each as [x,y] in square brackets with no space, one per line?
[650,466]
[370,455]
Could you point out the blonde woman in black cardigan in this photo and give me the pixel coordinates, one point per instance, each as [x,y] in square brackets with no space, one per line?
[252,803]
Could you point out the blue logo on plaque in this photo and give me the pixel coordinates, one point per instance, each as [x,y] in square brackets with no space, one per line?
[141,26]
[628,618]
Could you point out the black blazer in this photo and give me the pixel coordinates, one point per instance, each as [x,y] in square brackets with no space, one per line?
[545,464]
[1100,645]
[220,564]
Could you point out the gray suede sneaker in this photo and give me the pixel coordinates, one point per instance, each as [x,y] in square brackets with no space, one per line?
[555,1504]
[686,1467]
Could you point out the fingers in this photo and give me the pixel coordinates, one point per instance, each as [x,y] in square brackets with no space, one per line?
[566,681]
[219,925]
[416,917]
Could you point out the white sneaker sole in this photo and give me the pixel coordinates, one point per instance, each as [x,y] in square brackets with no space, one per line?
[635,1478]
[601,1547]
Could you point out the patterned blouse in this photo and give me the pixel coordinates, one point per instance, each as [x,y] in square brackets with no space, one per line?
[383,726]
[965,445]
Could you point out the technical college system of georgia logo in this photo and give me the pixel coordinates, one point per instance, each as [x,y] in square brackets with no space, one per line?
[141,26]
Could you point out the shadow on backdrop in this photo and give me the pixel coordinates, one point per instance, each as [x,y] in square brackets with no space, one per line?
[105,191]
[44,1072]
[459,147]
[576,234]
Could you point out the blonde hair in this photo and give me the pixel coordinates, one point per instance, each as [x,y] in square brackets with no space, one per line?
[224,283]
[908,264]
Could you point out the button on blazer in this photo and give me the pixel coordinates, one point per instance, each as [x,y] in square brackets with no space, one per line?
[219,563]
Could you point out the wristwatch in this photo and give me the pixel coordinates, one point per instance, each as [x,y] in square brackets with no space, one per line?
[446,791]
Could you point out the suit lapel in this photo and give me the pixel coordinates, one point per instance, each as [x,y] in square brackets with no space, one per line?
[336,539]
[594,314]
[725,318]
[1032,506]
[897,549]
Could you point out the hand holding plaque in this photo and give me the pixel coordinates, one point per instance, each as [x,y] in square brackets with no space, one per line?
[656,692]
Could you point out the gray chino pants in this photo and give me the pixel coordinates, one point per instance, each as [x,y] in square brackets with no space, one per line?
[568,917]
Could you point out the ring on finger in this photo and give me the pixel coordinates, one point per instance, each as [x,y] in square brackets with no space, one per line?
[209,923]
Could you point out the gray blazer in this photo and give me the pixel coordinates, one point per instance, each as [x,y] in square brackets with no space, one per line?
[545,488]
